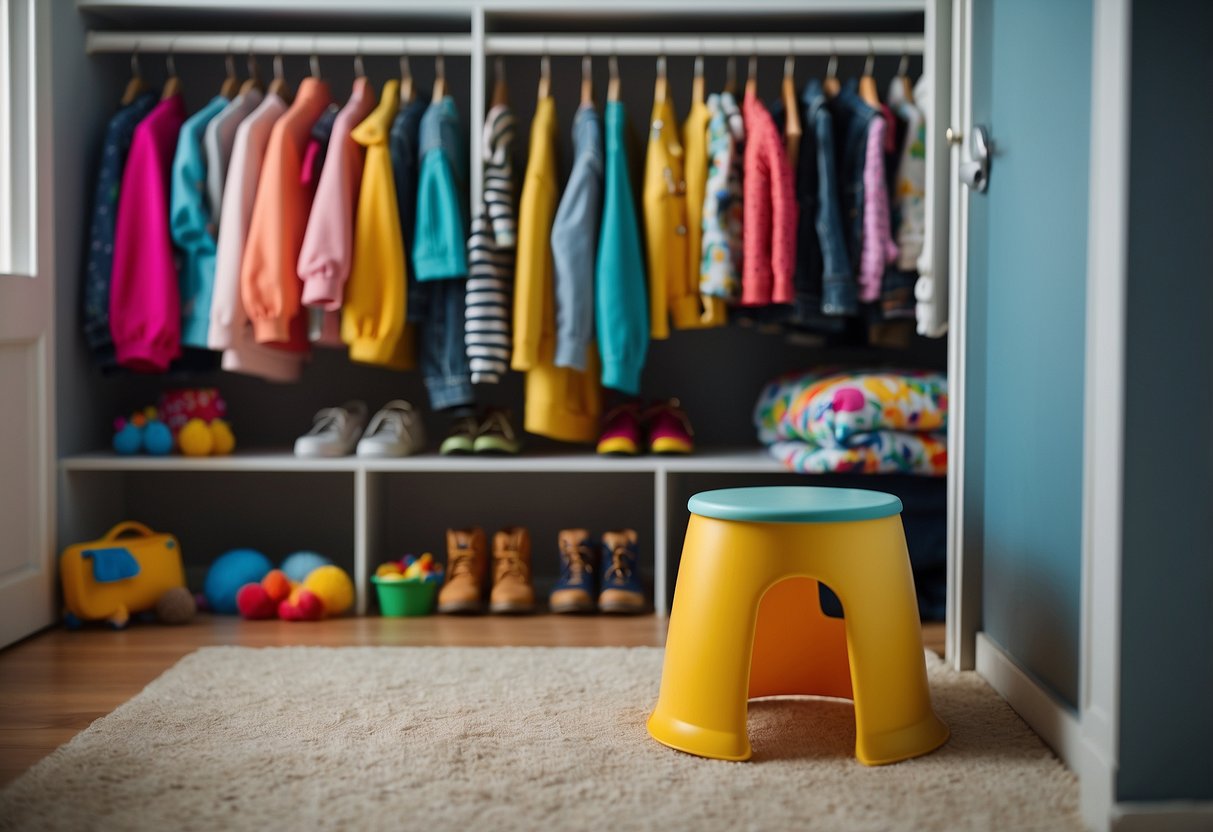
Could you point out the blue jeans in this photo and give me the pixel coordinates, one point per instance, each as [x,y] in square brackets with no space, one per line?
[444,360]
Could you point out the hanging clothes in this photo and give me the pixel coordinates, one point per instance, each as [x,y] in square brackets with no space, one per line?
[878,249]
[217,144]
[561,403]
[839,293]
[403,144]
[621,315]
[98,275]
[327,249]
[721,235]
[770,212]
[191,225]
[323,325]
[373,318]
[491,254]
[852,117]
[269,281]
[712,311]
[930,293]
[144,303]
[316,150]
[439,253]
[231,330]
[666,227]
[908,175]
[575,243]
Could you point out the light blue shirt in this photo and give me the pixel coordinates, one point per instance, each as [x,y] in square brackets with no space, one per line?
[191,227]
[440,241]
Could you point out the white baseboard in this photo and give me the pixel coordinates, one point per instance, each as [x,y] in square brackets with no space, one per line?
[1056,724]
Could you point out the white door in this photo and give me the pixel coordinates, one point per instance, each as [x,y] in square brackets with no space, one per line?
[27,573]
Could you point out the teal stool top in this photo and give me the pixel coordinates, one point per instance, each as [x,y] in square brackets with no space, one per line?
[794,504]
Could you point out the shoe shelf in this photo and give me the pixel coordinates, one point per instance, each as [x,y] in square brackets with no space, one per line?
[362,511]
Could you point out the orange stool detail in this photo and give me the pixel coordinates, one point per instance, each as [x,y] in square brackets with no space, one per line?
[747,621]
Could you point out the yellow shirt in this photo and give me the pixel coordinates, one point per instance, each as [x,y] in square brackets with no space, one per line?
[561,403]
[695,148]
[373,317]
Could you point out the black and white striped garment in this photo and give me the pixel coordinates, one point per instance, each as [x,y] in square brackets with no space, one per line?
[491,255]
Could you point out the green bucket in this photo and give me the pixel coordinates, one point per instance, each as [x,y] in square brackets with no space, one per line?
[405,598]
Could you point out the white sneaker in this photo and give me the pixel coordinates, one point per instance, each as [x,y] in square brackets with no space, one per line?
[335,431]
[396,430]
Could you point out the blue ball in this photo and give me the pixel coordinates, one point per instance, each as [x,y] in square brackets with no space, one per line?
[228,573]
[299,565]
[157,438]
[128,440]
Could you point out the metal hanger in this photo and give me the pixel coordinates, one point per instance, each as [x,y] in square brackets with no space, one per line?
[867,84]
[831,86]
[501,90]
[172,86]
[730,75]
[439,74]
[751,75]
[587,79]
[279,86]
[903,70]
[661,84]
[136,85]
[408,90]
[253,82]
[613,77]
[697,91]
[792,129]
[231,83]
[545,73]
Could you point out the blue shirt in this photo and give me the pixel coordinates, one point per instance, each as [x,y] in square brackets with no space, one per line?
[190,225]
[439,242]
[99,271]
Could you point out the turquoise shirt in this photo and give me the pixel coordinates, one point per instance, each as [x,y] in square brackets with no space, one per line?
[191,227]
[621,304]
[439,240]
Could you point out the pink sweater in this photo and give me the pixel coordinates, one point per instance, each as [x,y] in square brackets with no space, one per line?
[769,211]
[145,307]
[324,259]
[878,250]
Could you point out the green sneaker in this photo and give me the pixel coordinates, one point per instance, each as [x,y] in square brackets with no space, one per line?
[496,435]
[462,437]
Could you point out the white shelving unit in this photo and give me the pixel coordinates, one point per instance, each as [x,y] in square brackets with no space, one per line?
[364,506]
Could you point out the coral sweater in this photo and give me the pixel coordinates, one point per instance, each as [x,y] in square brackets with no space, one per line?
[269,283]
[769,213]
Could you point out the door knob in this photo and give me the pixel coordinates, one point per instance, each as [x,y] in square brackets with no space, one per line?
[975,173]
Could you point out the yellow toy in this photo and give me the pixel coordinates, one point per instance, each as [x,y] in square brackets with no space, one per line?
[199,438]
[333,587]
[125,572]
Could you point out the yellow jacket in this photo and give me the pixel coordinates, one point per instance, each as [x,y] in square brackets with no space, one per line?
[373,318]
[695,149]
[561,403]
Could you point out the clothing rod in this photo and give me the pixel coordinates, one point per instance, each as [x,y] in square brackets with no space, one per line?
[778,45]
[268,43]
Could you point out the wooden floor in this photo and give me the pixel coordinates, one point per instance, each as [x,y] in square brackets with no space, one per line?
[55,684]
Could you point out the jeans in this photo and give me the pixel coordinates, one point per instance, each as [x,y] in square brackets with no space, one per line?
[444,361]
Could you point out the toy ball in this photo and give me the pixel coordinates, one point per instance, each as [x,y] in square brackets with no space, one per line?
[254,603]
[277,585]
[302,605]
[157,438]
[223,442]
[128,440]
[228,573]
[299,565]
[175,606]
[195,438]
[333,587]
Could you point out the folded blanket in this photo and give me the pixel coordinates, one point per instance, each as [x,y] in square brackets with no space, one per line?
[882,452]
[828,407]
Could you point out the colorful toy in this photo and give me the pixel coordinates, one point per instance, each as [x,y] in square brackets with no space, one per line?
[191,420]
[408,586]
[325,591]
[299,565]
[231,571]
[126,572]
[157,438]
[180,406]
[176,606]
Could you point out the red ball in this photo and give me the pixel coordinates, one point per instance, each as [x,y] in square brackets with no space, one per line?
[255,603]
[306,606]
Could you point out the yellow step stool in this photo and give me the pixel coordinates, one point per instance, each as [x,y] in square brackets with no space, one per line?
[747,621]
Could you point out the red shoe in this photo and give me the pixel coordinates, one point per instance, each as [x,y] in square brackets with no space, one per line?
[669,429]
[621,431]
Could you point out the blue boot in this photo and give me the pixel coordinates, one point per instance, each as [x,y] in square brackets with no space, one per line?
[622,591]
[574,592]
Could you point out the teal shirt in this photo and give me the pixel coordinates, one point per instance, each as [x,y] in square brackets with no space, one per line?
[439,240]
[190,225]
[621,304]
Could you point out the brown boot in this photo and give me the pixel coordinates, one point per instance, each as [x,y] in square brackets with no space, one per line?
[512,590]
[466,565]
[574,592]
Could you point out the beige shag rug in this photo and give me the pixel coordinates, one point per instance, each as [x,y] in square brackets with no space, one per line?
[234,738]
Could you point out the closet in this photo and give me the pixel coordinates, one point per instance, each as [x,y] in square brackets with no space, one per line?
[358,511]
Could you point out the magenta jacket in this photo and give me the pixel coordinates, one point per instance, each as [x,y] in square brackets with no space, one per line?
[145,307]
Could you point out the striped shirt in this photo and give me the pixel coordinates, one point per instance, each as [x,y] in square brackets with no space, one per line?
[491,255]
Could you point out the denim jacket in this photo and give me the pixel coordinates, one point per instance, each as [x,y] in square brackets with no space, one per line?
[575,243]
[851,115]
[440,245]
[838,280]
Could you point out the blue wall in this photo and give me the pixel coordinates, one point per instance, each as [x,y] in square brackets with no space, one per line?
[1033,267]
[1166,705]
